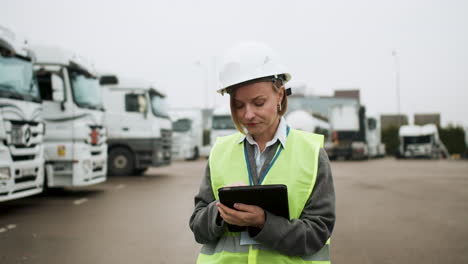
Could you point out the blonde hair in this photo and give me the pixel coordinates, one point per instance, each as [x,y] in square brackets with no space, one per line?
[277,86]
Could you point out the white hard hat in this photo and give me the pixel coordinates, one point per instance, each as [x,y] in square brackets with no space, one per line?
[249,61]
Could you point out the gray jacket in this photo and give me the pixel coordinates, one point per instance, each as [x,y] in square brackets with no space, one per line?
[303,236]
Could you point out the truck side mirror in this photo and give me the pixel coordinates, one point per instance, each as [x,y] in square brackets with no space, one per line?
[108,80]
[57,88]
[143,105]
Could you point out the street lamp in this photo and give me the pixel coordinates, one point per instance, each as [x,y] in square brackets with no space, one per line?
[205,81]
[210,80]
[397,82]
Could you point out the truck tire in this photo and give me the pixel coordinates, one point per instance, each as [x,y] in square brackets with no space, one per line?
[121,162]
[140,172]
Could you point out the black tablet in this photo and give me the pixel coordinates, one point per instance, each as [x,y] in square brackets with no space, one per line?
[272,198]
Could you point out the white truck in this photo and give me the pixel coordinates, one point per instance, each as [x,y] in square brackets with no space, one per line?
[420,142]
[138,125]
[354,136]
[306,121]
[221,124]
[21,124]
[75,139]
[189,127]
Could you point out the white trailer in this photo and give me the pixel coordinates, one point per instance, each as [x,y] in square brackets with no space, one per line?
[221,124]
[354,136]
[420,142]
[189,127]
[138,125]
[75,139]
[21,123]
[307,121]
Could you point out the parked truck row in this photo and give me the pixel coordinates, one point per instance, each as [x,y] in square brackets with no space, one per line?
[64,124]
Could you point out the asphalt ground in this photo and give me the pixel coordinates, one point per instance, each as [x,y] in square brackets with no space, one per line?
[388,211]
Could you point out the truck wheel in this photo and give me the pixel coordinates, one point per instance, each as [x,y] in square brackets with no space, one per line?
[121,162]
[140,172]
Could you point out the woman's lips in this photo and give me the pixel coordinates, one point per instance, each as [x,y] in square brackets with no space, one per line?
[251,124]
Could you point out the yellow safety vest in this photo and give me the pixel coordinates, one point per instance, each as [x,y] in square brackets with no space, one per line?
[295,166]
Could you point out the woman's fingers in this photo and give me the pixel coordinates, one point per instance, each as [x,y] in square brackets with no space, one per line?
[243,215]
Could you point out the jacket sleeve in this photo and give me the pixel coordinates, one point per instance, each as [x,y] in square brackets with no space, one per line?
[309,233]
[205,223]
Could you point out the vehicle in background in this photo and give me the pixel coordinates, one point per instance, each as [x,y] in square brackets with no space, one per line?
[221,124]
[306,121]
[190,129]
[138,125]
[354,136]
[75,139]
[375,147]
[21,124]
[420,142]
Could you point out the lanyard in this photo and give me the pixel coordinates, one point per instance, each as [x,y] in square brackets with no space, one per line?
[278,152]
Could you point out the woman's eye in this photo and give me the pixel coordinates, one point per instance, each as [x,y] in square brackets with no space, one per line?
[238,106]
[259,104]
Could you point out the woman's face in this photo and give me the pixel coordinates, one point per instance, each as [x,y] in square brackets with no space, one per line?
[255,106]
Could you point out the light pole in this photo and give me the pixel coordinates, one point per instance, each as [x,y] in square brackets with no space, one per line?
[205,81]
[210,80]
[397,82]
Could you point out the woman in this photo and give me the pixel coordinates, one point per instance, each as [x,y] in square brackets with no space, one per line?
[266,151]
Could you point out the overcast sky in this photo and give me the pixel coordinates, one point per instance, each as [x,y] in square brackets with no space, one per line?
[327,45]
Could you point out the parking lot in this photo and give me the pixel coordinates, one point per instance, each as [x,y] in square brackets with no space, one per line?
[388,211]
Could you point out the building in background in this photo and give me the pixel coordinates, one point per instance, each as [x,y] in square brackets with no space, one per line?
[424,119]
[388,121]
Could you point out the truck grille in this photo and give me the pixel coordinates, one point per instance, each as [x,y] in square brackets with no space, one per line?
[166,137]
[24,139]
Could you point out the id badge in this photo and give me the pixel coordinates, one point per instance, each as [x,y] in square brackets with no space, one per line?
[245,239]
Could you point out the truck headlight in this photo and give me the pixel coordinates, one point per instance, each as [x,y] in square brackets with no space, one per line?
[4,174]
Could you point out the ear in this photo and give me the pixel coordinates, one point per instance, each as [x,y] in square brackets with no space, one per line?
[281,94]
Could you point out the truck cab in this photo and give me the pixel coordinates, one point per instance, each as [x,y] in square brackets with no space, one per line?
[187,134]
[376,148]
[138,125]
[75,139]
[420,142]
[221,124]
[21,123]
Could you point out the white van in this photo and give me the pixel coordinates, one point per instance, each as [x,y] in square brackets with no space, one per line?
[138,125]
[21,124]
[75,139]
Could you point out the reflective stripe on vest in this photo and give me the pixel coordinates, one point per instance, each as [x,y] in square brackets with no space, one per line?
[296,167]
[231,244]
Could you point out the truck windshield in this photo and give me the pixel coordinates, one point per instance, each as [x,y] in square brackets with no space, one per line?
[17,79]
[86,91]
[181,125]
[159,106]
[223,122]
[417,140]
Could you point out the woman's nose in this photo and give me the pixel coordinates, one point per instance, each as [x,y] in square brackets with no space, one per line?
[249,113]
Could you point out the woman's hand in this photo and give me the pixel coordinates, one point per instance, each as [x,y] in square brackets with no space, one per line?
[242,215]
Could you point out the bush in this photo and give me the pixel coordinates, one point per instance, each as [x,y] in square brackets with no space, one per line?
[453,138]
[390,139]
